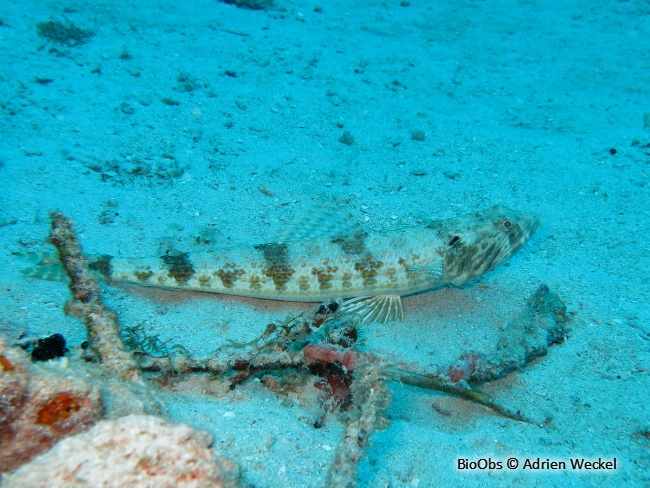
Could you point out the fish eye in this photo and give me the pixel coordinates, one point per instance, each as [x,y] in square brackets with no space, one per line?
[506,224]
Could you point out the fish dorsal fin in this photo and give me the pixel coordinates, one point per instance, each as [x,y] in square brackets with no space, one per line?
[323,219]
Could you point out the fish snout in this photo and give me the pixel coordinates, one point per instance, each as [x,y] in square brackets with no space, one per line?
[530,224]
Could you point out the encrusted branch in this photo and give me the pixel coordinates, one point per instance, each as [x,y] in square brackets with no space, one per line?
[538,326]
[461,389]
[541,324]
[101,322]
[371,399]
[220,365]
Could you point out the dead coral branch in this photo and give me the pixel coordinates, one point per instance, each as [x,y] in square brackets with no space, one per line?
[371,399]
[101,322]
[251,361]
[542,323]
[462,389]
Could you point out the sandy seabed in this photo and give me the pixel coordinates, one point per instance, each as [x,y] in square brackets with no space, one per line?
[194,125]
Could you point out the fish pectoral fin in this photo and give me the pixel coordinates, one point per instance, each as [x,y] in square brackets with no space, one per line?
[380,308]
[434,271]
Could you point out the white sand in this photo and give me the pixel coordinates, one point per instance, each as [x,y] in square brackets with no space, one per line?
[520,103]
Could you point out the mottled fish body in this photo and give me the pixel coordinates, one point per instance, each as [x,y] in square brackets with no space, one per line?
[308,271]
[329,256]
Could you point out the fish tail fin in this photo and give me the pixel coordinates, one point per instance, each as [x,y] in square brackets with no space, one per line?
[46,265]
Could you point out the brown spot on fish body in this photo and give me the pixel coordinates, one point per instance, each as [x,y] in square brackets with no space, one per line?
[514,231]
[276,256]
[325,276]
[180,267]
[102,264]
[354,244]
[143,275]
[367,267]
[228,278]
[204,280]
[489,251]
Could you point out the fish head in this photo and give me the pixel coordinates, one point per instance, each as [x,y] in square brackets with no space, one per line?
[479,242]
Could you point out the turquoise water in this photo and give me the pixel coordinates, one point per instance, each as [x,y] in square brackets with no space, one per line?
[162,127]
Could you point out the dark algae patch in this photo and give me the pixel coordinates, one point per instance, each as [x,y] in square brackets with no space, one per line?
[250,4]
[63,33]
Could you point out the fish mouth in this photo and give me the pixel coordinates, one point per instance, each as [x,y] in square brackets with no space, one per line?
[528,226]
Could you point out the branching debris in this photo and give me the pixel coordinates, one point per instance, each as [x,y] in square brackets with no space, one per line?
[371,398]
[101,322]
[324,346]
